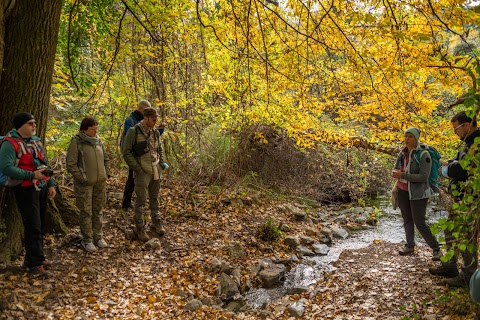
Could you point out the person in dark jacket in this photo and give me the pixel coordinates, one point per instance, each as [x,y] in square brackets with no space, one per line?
[135,117]
[87,162]
[412,170]
[35,185]
[466,129]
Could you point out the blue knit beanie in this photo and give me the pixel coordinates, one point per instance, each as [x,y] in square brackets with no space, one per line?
[415,132]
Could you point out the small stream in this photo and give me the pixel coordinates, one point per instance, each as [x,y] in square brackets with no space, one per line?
[389,228]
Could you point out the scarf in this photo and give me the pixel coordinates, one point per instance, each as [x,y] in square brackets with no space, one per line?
[92,140]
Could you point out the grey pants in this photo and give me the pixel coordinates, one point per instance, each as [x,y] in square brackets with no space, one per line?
[144,184]
[413,213]
[90,201]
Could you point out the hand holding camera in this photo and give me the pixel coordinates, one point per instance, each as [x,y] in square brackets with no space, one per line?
[43,171]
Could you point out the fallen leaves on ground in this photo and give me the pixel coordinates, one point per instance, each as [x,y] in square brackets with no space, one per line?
[127,281]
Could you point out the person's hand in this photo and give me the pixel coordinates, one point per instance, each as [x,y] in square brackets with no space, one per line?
[396,174]
[39,173]
[52,192]
[445,171]
[165,166]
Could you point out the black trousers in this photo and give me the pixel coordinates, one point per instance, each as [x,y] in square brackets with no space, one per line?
[32,205]
[128,192]
[413,213]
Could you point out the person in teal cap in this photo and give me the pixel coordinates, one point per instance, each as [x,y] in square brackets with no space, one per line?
[412,172]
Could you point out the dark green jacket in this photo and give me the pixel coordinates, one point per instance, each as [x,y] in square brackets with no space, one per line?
[143,162]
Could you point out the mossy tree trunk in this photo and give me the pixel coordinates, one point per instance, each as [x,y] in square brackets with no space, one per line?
[28,40]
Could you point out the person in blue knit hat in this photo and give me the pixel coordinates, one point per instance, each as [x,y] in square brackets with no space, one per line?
[414,191]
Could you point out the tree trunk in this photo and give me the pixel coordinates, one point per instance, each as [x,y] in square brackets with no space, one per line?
[28,41]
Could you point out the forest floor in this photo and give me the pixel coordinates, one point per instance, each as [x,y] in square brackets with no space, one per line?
[129,281]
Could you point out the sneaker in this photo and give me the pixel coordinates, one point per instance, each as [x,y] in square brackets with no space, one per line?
[437,254]
[159,229]
[141,234]
[38,271]
[444,270]
[406,251]
[89,246]
[102,243]
[459,281]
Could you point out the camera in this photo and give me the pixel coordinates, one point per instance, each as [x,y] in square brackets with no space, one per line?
[47,172]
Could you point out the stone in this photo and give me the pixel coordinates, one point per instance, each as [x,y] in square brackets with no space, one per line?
[284,227]
[215,265]
[298,213]
[321,249]
[339,232]
[291,241]
[235,305]
[235,250]
[368,210]
[297,308]
[181,293]
[153,243]
[342,219]
[312,232]
[264,263]
[271,275]
[306,240]
[326,231]
[304,251]
[237,276]
[193,305]
[228,287]
[226,268]
[298,290]
[357,210]
[324,239]
[360,220]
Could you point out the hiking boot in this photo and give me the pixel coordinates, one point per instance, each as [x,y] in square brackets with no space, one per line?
[444,270]
[89,246]
[437,254]
[159,229]
[102,243]
[46,264]
[406,251]
[459,281]
[38,271]
[141,234]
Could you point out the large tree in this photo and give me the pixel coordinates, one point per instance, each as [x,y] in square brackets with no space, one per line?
[28,40]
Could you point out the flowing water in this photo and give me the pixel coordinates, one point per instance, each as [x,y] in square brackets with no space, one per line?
[389,228]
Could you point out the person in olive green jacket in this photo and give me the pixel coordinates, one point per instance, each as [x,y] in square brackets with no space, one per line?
[143,152]
[87,161]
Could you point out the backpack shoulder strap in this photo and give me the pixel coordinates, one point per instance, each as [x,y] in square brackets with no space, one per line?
[17,144]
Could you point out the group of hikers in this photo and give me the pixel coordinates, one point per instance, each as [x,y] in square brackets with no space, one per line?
[24,163]
[413,189]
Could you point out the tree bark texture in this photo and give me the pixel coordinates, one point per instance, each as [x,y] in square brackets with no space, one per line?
[31,33]
[28,41]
